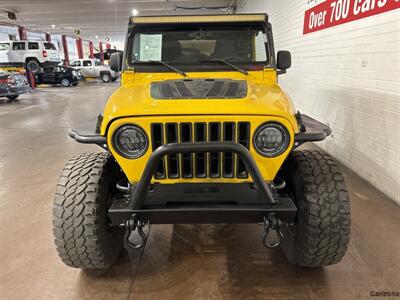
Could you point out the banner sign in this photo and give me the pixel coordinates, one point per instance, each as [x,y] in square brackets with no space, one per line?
[335,12]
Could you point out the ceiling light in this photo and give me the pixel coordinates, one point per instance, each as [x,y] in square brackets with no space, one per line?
[96,37]
[134,12]
[53,26]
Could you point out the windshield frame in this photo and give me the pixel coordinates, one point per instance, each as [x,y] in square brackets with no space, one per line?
[149,67]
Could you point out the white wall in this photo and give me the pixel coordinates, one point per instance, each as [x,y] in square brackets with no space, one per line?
[349,77]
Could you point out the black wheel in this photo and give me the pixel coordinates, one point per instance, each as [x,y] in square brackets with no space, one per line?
[32,66]
[65,82]
[321,233]
[106,77]
[12,97]
[114,79]
[81,227]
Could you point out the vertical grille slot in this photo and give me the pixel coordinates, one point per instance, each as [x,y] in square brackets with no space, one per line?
[171,134]
[243,139]
[228,157]
[200,135]
[215,160]
[157,139]
[187,157]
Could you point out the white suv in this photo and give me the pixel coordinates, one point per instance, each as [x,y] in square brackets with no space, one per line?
[93,68]
[30,54]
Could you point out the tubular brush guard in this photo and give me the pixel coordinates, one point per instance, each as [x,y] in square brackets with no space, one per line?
[135,205]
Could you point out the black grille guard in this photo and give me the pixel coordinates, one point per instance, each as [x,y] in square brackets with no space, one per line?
[139,193]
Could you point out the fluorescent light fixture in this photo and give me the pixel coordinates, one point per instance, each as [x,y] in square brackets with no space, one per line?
[135,12]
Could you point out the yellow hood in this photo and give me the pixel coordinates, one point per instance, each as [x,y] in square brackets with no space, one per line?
[264,97]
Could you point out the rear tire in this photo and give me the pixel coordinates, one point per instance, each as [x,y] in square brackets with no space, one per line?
[82,231]
[321,234]
[32,65]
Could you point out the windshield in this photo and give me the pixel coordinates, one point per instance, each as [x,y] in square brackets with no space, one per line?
[196,45]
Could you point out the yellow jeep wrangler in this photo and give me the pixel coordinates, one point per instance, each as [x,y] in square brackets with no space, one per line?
[200,132]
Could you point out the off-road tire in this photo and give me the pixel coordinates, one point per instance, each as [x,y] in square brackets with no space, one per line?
[321,233]
[80,224]
[32,65]
[105,77]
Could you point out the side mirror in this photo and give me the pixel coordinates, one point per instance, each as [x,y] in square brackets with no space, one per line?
[284,61]
[116,61]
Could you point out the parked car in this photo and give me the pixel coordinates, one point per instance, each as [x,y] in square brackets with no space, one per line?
[94,69]
[33,55]
[13,84]
[107,53]
[61,75]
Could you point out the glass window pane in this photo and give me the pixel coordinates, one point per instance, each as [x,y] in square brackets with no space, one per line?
[19,46]
[260,48]
[33,46]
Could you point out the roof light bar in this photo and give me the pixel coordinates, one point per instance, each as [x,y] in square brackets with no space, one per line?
[199,19]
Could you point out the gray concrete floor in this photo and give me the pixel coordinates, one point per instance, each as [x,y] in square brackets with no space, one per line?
[179,262]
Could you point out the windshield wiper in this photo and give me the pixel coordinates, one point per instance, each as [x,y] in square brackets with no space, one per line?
[176,70]
[224,61]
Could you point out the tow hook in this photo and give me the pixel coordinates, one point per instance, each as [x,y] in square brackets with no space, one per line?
[132,225]
[271,222]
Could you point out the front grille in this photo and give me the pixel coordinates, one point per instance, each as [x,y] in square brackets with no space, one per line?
[200,165]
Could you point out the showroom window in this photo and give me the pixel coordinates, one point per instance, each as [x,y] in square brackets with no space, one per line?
[19,46]
[33,46]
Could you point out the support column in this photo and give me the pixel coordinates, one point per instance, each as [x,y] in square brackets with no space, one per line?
[101,52]
[79,46]
[65,48]
[22,33]
[91,49]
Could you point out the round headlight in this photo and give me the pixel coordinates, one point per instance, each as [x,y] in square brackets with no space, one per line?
[130,141]
[271,139]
